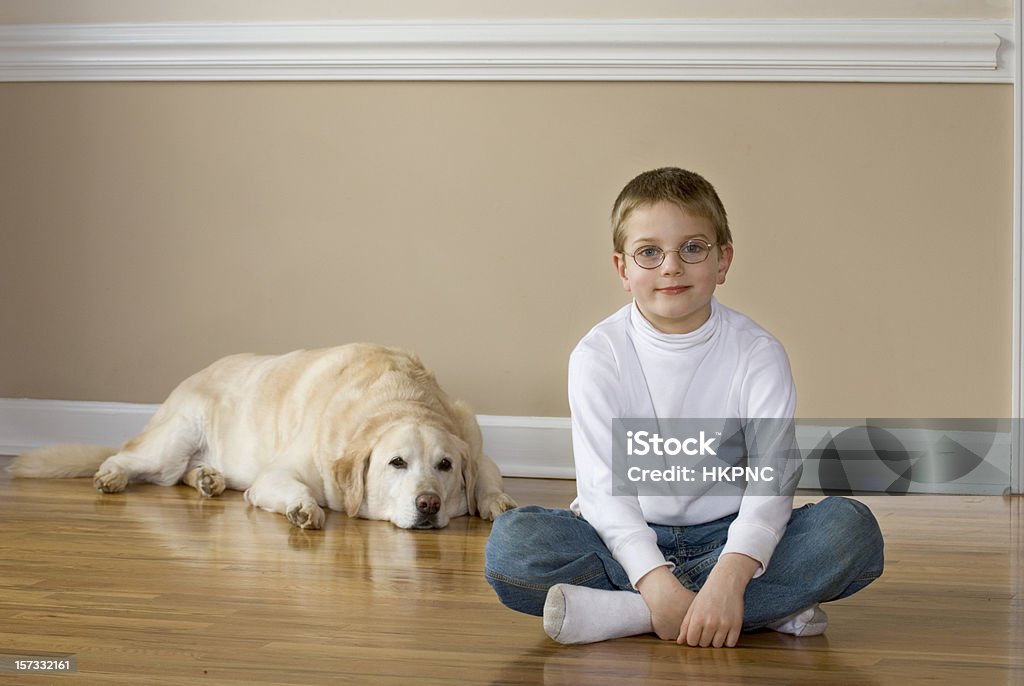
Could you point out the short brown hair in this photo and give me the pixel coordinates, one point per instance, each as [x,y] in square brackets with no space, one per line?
[686,189]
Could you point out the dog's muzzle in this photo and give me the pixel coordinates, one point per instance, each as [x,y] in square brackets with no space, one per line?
[428,505]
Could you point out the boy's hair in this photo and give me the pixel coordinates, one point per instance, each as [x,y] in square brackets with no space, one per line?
[690,191]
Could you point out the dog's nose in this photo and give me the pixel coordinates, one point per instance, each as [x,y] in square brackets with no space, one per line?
[428,503]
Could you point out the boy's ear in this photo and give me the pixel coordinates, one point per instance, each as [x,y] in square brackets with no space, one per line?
[619,259]
[724,262]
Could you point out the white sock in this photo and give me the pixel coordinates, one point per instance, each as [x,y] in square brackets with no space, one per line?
[811,621]
[577,614]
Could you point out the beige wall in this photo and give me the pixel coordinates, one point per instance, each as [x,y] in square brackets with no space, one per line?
[26,11]
[147,229]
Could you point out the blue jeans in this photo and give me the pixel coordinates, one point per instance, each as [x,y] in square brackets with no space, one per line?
[831,549]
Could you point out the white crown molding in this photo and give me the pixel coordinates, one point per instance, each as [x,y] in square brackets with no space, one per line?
[929,50]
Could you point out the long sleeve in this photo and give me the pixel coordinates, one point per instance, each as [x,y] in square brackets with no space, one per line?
[768,399]
[595,391]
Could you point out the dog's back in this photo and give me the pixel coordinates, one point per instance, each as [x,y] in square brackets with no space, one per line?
[235,394]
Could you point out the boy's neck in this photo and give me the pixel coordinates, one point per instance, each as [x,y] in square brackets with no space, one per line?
[677,328]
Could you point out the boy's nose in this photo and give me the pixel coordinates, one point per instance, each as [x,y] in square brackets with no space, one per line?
[673,263]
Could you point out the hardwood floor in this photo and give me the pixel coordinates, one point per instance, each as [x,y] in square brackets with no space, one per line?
[157,586]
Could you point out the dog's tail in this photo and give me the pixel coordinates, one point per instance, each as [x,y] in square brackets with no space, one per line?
[59,461]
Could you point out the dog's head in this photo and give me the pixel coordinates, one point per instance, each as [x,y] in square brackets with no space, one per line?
[414,474]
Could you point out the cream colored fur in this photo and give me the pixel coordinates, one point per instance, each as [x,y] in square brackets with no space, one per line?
[360,428]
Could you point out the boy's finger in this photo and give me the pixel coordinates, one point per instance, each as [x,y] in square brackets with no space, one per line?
[693,634]
[685,627]
[698,635]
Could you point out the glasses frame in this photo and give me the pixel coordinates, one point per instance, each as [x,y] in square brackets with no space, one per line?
[678,251]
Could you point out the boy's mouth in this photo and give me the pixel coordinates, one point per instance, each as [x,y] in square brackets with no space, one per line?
[673,290]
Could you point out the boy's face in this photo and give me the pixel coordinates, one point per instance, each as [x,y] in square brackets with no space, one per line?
[675,297]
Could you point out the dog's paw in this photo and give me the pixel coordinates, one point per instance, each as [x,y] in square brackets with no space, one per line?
[110,480]
[209,482]
[494,504]
[306,515]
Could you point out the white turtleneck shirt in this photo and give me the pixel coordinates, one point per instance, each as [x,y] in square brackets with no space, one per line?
[625,368]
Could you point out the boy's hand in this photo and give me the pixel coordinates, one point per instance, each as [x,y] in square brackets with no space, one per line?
[667,599]
[715,617]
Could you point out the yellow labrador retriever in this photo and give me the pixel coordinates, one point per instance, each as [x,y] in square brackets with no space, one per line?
[361,429]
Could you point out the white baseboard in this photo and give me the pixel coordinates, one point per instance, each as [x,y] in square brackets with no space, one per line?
[537,447]
[881,50]
[27,424]
[522,446]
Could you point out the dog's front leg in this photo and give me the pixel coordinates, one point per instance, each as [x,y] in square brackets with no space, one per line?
[279,490]
[491,500]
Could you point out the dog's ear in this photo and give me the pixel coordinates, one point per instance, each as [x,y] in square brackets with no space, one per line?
[350,475]
[469,431]
[469,475]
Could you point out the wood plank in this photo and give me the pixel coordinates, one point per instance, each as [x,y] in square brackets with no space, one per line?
[157,586]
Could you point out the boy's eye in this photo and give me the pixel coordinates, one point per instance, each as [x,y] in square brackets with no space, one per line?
[694,247]
[648,251]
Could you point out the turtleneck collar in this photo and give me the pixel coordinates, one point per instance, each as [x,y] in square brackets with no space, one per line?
[645,332]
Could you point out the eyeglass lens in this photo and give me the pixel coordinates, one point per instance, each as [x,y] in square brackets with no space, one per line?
[691,252]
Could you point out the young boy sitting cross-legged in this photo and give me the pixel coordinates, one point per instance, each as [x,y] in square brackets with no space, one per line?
[690,566]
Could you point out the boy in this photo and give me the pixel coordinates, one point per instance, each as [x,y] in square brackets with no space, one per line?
[692,567]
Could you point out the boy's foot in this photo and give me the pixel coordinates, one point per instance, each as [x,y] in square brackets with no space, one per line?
[811,621]
[577,614]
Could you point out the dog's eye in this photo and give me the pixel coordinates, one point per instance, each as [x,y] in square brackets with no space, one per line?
[398,463]
[445,465]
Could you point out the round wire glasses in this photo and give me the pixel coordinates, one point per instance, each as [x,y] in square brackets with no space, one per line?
[693,251]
